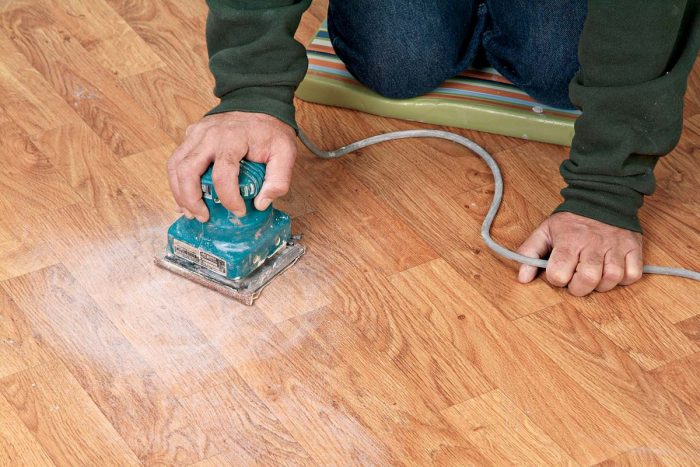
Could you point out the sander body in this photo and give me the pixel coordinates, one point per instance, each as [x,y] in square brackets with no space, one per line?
[237,256]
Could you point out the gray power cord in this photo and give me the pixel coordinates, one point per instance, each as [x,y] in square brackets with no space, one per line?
[497,195]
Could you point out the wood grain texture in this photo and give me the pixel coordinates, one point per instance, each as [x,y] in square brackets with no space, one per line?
[691,328]
[24,93]
[681,378]
[495,425]
[309,408]
[20,345]
[242,427]
[185,360]
[540,388]
[398,339]
[30,186]
[660,416]
[125,54]
[61,416]
[21,448]
[117,378]
[640,456]
[637,325]
[82,83]
[50,191]
[409,338]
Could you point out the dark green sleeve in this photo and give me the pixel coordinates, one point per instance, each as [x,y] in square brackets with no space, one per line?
[256,63]
[635,58]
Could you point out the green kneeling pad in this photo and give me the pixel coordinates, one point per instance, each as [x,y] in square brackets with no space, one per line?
[476,99]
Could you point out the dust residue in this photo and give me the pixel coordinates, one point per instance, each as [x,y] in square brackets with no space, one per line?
[81,94]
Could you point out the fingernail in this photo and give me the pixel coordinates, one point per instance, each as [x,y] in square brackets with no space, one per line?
[187,214]
[201,219]
[262,203]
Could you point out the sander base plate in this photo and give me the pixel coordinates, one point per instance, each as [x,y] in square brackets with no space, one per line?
[245,290]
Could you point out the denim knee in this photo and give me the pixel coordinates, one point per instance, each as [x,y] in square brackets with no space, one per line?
[550,84]
[398,73]
[536,45]
[400,58]
[543,68]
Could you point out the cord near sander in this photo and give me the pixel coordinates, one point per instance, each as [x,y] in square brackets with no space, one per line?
[237,256]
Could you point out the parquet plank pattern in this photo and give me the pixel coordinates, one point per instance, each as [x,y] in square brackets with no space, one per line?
[398,339]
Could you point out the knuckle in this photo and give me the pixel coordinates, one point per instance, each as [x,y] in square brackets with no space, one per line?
[631,242]
[211,130]
[589,277]
[208,136]
[563,253]
[189,161]
[526,251]
[633,276]
[228,161]
[183,170]
[613,273]
[282,189]
[289,149]
[557,260]
[226,154]
[279,188]
[558,278]
[219,178]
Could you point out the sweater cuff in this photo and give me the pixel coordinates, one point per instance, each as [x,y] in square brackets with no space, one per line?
[274,101]
[609,206]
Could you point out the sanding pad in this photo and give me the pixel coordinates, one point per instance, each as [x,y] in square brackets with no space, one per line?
[244,290]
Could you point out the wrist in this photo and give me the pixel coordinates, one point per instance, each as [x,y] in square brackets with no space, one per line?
[608,213]
[274,102]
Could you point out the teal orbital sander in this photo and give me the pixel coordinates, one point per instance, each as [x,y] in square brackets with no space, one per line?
[236,256]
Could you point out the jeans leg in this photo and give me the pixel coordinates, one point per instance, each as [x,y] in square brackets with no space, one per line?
[405,48]
[535,45]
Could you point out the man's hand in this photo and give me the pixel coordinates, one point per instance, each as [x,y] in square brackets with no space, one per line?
[586,254]
[225,139]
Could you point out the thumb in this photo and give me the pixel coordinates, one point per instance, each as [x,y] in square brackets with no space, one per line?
[536,246]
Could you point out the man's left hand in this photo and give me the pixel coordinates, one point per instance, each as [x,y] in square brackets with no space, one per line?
[586,254]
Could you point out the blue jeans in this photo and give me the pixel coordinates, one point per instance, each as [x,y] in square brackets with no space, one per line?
[405,48]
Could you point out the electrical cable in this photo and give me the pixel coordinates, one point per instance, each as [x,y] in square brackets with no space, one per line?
[497,195]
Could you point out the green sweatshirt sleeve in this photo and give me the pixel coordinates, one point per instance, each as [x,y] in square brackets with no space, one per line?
[256,63]
[635,58]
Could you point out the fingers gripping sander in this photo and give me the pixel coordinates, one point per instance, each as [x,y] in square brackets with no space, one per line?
[236,256]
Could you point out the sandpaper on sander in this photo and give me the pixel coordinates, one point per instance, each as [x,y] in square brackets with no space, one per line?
[237,256]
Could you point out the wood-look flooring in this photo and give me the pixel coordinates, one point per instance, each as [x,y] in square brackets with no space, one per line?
[398,339]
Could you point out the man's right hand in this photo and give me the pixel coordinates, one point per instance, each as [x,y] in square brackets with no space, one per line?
[225,139]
